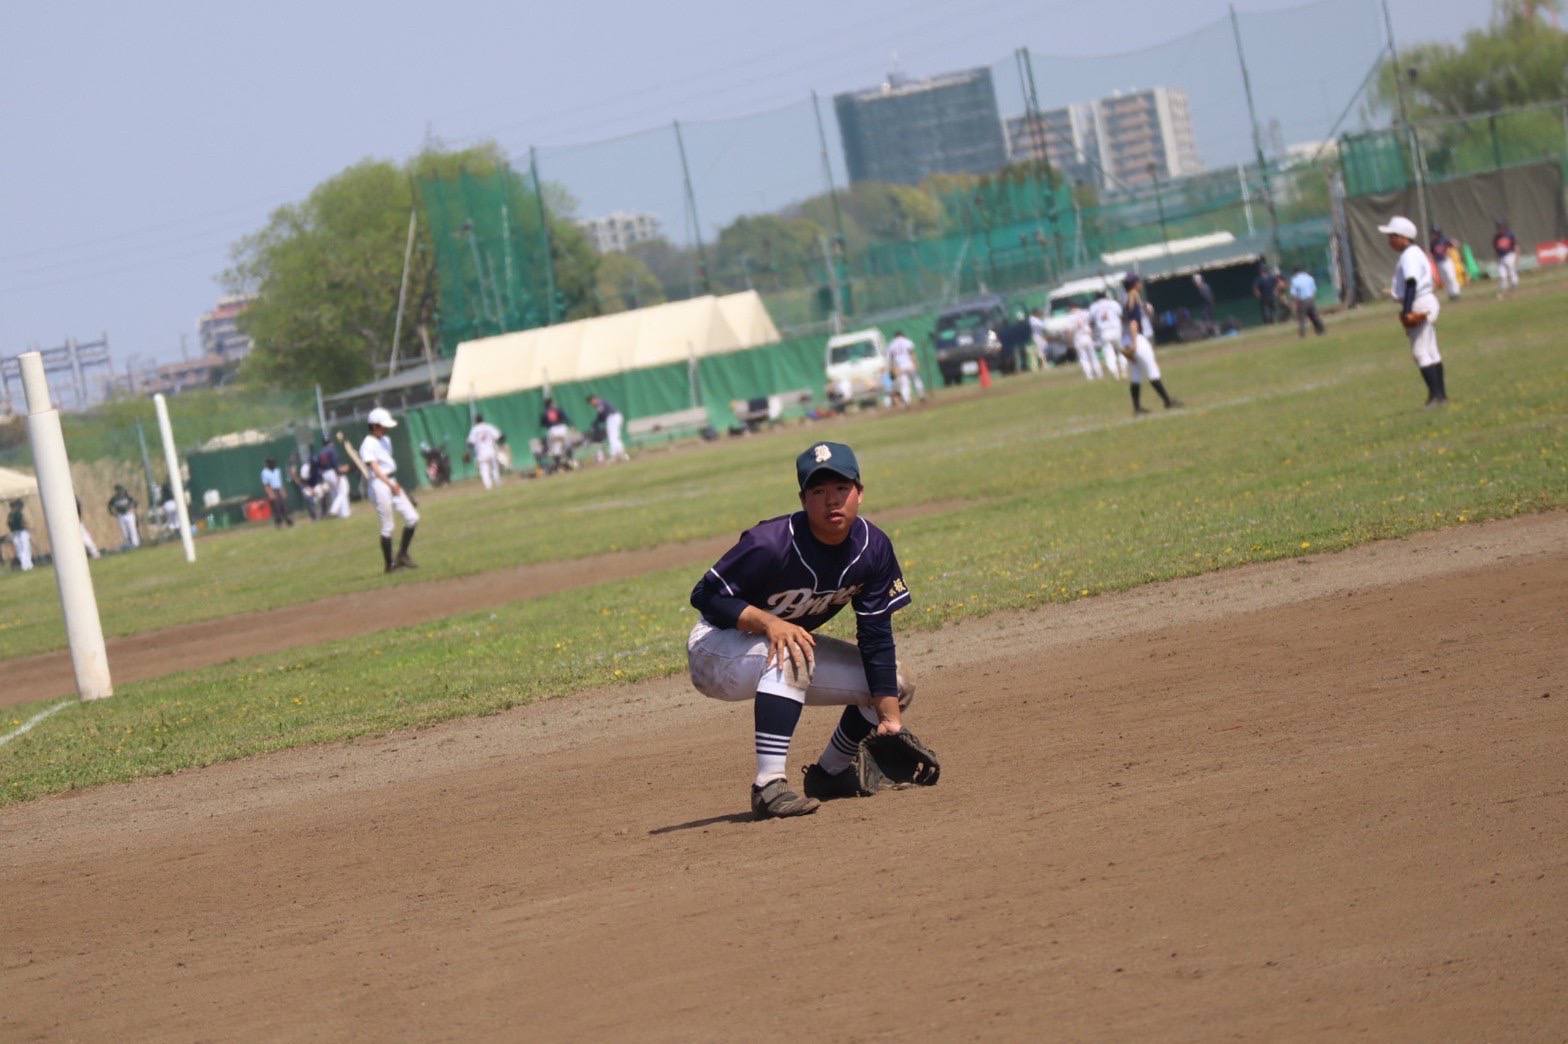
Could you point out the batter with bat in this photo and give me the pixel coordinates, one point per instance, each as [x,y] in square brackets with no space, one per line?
[379,469]
[1416,292]
[760,603]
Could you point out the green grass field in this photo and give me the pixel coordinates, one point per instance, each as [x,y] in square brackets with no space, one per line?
[1043,489]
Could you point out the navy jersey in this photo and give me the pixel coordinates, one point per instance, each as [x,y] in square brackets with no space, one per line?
[780,568]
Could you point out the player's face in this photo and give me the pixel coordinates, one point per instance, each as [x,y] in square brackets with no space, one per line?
[832,506]
[1397,242]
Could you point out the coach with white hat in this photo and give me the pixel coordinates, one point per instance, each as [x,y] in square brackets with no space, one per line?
[385,493]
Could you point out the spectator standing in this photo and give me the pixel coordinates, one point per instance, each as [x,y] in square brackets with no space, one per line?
[334,474]
[610,421]
[123,507]
[21,539]
[1506,244]
[905,369]
[302,475]
[484,443]
[1205,298]
[277,498]
[1263,288]
[1444,252]
[1304,289]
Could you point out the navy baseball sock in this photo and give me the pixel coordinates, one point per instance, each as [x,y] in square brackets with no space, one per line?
[1438,387]
[1137,393]
[1160,387]
[775,718]
[852,728]
[408,538]
[1429,377]
[386,550]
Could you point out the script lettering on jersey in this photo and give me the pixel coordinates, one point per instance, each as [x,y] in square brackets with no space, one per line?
[803,601]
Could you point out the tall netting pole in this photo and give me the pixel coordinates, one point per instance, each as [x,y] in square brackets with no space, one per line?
[1257,140]
[1417,161]
[544,239]
[691,204]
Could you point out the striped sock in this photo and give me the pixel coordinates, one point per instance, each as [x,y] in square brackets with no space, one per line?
[775,718]
[854,725]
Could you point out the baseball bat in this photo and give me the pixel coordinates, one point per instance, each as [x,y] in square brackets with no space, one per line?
[364,472]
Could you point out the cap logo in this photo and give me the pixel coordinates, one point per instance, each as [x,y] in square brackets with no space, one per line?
[823,454]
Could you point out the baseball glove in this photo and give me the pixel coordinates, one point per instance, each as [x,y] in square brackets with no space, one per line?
[894,760]
[1411,320]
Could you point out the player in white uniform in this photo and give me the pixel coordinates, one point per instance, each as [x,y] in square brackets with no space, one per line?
[1106,314]
[1138,348]
[484,439]
[385,493]
[1418,306]
[1083,344]
[1037,336]
[901,363]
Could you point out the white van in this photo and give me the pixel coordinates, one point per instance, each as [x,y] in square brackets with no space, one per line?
[856,367]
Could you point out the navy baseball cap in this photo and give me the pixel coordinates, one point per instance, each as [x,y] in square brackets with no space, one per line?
[827,456]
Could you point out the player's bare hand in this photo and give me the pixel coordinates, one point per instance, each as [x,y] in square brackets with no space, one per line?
[889,718]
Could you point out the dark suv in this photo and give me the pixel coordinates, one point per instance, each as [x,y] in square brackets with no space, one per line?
[973,330]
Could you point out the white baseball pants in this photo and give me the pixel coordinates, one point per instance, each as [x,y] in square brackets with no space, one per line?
[1142,365]
[23,542]
[129,537]
[489,470]
[1508,271]
[1088,359]
[381,496]
[731,665]
[1423,338]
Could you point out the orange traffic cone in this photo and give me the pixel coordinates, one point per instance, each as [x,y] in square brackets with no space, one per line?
[985,375]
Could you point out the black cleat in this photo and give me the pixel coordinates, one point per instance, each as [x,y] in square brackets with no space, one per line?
[826,786]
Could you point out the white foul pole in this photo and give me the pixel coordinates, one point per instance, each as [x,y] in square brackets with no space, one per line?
[83,629]
[176,483]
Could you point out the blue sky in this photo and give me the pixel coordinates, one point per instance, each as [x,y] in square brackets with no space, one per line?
[142,140]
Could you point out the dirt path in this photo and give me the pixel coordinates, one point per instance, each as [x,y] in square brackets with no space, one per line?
[1322,798]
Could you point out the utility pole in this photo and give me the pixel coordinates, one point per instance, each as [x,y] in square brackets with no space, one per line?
[1257,140]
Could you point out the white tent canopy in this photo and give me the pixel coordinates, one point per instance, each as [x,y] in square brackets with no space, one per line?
[14,484]
[609,344]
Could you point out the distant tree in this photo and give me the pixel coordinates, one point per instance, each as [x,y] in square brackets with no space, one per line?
[1520,59]
[328,270]
[772,251]
[624,283]
[673,267]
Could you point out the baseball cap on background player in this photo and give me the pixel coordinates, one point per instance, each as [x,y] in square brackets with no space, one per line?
[1399,226]
[382,417]
[827,456]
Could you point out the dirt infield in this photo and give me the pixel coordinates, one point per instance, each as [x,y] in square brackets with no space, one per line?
[1321,798]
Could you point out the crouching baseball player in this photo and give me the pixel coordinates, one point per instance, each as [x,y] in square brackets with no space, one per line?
[760,603]
[385,492]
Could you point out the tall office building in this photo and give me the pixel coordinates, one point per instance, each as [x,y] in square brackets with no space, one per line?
[905,130]
[1111,143]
